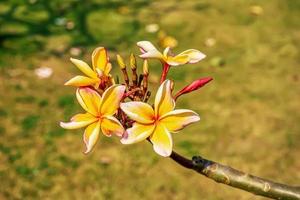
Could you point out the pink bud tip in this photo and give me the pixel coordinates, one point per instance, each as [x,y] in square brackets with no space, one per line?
[193,86]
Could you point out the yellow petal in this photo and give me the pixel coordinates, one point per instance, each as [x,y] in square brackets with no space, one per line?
[85,68]
[162,141]
[164,101]
[178,119]
[111,99]
[107,69]
[139,111]
[194,55]
[138,132]
[177,60]
[99,58]
[110,125]
[112,80]
[91,135]
[89,100]
[79,121]
[148,50]
[80,81]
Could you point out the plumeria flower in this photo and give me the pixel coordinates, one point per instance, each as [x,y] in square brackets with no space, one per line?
[157,124]
[101,69]
[189,56]
[99,114]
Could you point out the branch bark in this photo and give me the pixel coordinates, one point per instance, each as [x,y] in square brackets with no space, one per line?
[238,179]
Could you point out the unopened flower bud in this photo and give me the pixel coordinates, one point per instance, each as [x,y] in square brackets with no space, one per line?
[172,85]
[132,61]
[193,86]
[145,67]
[120,62]
[123,68]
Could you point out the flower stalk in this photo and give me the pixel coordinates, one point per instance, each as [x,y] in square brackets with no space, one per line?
[145,76]
[147,96]
[166,68]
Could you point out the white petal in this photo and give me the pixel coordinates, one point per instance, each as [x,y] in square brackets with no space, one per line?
[148,50]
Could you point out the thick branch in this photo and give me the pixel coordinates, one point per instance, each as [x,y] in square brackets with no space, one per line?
[235,178]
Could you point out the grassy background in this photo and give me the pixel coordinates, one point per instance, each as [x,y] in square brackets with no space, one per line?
[250,112]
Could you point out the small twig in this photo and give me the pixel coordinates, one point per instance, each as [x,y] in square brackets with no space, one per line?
[141,77]
[147,96]
[238,179]
[125,76]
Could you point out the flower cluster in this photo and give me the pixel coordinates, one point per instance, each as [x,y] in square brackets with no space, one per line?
[122,109]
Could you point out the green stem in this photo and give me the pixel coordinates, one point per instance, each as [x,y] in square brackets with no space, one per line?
[238,179]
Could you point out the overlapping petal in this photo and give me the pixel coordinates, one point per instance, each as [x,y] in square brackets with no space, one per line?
[164,101]
[79,81]
[85,68]
[99,58]
[78,121]
[162,141]
[174,61]
[177,119]
[149,50]
[91,135]
[139,111]
[138,132]
[110,125]
[194,55]
[107,69]
[177,60]
[89,99]
[111,99]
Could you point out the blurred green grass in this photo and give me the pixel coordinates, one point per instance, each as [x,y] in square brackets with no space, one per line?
[250,112]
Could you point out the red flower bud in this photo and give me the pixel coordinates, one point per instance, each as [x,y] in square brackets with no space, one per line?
[193,86]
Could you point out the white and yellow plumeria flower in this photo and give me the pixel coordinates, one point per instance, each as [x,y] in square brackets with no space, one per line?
[156,124]
[99,114]
[101,68]
[189,56]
